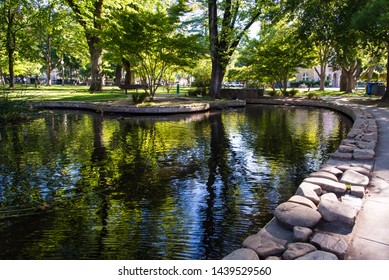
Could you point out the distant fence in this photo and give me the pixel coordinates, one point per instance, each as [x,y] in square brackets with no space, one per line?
[241,93]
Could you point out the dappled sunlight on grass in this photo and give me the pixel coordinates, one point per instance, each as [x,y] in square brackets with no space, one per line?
[71,93]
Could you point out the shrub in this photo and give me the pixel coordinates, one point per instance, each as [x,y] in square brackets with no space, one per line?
[312,95]
[138,98]
[293,92]
[12,109]
[194,92]
[273,93]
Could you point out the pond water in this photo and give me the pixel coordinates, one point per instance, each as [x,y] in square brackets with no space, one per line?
[76,185]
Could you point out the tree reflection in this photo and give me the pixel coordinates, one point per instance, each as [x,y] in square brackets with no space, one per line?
[83,186]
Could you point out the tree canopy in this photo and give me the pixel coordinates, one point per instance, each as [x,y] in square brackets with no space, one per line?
[276,55]
[102,37]
[151,39]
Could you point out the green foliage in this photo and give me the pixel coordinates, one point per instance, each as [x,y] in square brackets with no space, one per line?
[312,95]
[150,39]
[277,55]
[228,23]
[12,109]
[202,78]
[373,20]
[273,93]
[138,98]
[291,92]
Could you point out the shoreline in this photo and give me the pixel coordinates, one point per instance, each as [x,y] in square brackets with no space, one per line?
[333,198]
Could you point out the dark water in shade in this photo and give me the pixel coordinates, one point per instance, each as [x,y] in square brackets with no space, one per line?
[80,186]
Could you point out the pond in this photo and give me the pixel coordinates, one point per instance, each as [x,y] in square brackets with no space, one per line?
[76,185]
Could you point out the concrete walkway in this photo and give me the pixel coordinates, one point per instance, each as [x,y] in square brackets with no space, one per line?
[371,231]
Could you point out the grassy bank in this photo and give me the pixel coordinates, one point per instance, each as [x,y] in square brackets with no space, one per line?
[73,93]
[114,93]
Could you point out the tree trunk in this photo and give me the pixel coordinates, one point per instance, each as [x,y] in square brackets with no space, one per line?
[322,75]
[223,41]
[386,95]
[48,75]
[343,81]
[48,61]
[95,57]
[285,85]
[11,61]
[350,78]
[2,82]
[128,78]
[216,79]
[118,75]
[91,16]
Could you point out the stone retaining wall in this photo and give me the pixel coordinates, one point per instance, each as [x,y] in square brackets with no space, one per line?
[106,108]
[317,222]
[241,93]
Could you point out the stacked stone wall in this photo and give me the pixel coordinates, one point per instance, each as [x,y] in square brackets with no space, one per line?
[241,94]
[317,222]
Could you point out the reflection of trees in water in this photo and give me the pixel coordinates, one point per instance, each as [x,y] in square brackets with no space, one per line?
[170,189]
[216,185]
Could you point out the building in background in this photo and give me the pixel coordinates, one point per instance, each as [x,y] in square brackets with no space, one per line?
[311,78]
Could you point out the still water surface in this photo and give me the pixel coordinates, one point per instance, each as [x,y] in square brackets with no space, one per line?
[81,186]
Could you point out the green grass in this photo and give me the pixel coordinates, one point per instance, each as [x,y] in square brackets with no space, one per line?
[74,93]
[114,93]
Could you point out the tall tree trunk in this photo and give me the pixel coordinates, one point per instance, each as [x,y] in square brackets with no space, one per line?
[350,81]
[224,39]
[343,81]
[216,79]
[118,75]
[324,53]
[322,75]
[284,86]
[217,73]
[2,82]
[48,61]
[350,72]
[90,20]
[129,77]
[48,75]
[95,53]
[11,62]
[386,95]
[10,46]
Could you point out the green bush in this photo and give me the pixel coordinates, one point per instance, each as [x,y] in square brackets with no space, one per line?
[273,93]
[194,92]
[12,109]
[138,98]
[312,95]
[293,92]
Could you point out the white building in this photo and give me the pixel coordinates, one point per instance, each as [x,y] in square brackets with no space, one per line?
[333,75]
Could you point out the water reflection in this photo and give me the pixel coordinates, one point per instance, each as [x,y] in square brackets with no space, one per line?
[80,186]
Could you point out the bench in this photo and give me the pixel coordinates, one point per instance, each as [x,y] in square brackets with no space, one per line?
[129,87]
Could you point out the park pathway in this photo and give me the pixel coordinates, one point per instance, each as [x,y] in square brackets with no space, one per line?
[371,231]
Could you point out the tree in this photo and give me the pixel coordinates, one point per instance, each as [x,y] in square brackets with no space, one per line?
[315,23]
[228,21]
[56,36]
[201,74]
[13,20]
[372,19]
[328,24]
[156,42]
[277,54]
[89,15]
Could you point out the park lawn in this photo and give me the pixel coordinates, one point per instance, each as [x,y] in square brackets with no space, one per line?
[113,93]
[73,93]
